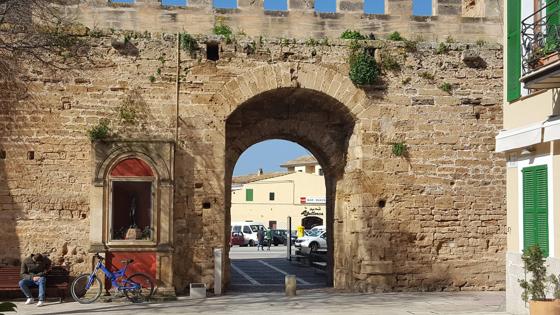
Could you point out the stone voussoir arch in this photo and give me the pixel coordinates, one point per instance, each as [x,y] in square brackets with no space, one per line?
[291,75]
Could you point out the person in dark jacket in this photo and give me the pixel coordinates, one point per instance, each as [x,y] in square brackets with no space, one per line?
[260,238]
[33,270]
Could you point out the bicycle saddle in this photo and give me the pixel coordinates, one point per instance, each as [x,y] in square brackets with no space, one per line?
[127,261]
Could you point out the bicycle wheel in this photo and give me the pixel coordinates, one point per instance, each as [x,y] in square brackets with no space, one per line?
[138,288]
[81,293]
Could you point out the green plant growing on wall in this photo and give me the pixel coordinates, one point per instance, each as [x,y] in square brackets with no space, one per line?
[99,131]
[442,48]
[395,36]
[311,42]
[349,34]
[426,75]
[410,45]
[221,29]
[399,149]
[449,39]
[189,44]
[534,263]
[152,79]
[127,111]
[481,42]
[446,87]
[363,68]
[389,62]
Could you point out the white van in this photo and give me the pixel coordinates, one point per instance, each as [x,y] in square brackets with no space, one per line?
[249,230]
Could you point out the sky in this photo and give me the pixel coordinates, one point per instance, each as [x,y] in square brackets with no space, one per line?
[268,155]
[419,7]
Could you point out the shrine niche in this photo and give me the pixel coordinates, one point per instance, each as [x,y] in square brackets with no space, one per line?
[132,205]
[131,185]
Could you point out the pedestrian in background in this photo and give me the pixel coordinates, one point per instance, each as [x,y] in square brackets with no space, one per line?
[260,238]
[33,270]
[268,237]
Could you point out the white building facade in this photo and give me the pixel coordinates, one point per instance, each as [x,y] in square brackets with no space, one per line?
[300,194]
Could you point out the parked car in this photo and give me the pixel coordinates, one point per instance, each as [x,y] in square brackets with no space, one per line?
[249,231]
[315,229]
[315,241]
[279,237]
[237,238]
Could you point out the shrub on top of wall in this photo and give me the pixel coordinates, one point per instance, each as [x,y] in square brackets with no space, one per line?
[349,34]
[363,69]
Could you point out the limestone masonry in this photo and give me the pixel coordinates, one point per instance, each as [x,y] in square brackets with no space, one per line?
[433,219]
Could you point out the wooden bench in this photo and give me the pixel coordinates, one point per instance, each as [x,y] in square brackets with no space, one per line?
[57,280]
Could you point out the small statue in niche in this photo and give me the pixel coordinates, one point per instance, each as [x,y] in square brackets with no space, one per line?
[133,233]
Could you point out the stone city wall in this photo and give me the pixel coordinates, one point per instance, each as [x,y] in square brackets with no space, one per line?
[430,220]
[461,19]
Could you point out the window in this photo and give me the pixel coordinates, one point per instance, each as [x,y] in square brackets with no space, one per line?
[123,1]
[213,51]
[535,207]
[249,195]
[271,196]
[182,3]
[321,172]
[374,6]
[247,230]
[225,4]
[325,6]
[513,50]
[422,7]
[276,5]
[236,229]
[131,203]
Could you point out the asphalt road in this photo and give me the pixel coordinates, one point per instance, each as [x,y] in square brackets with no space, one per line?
[255,270]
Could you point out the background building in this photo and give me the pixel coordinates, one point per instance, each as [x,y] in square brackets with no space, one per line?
[270,198]
[530,138]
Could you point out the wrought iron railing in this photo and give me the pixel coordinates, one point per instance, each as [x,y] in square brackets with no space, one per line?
[540,35]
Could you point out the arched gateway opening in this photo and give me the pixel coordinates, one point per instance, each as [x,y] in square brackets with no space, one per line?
[313,119]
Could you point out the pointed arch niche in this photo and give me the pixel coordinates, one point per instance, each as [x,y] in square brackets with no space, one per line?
[131,204]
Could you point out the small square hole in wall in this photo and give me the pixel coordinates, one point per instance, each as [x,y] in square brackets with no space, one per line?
[213,51]
[2,155]
[206,205]
[30,155]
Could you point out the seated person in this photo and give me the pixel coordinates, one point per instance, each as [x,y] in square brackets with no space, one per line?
[33,270]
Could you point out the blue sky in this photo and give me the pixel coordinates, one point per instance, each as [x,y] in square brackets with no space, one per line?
[276,5]
[267,155]
[225,4]
[374,6]
[325,6]
[422,7]
[174,2]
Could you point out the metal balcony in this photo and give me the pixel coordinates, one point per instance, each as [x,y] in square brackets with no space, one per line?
[540,34]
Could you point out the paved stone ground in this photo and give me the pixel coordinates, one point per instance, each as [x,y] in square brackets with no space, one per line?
[266,296]
[318,301]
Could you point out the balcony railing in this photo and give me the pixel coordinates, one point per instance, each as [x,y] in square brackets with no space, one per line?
[540,34]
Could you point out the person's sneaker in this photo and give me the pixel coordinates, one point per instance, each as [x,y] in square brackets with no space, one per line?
[29,301]
[41,303]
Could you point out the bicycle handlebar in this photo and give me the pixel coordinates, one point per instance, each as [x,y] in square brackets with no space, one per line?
[98,256]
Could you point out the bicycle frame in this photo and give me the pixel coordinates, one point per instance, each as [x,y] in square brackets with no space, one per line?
[113,276]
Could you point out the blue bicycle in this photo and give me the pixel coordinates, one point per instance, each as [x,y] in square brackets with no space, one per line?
[87,288]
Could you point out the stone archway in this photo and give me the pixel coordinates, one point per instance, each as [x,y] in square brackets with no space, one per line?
[313,106]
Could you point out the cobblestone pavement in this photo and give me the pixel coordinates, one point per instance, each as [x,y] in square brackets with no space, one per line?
[318,301]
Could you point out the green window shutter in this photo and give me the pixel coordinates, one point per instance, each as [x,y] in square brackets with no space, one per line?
[535,207]
[513,49]
[248,194]
[552,19]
